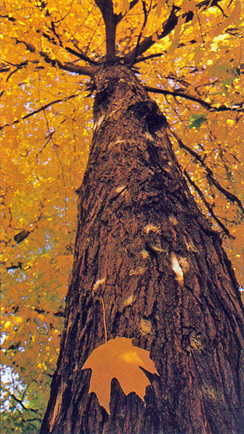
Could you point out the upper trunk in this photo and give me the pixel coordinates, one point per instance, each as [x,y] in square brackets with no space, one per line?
[147,266]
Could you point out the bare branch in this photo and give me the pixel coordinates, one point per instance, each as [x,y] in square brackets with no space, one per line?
[59,313]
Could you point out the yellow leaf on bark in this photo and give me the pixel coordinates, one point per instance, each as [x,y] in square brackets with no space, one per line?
[118,358]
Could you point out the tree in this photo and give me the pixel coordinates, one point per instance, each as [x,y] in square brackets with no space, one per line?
[168,282]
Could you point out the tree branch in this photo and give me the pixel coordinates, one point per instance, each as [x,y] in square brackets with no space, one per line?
[70,50]
[148,41]
[230,196]
[143,26]
[59,314]
[208,206]
[22,405]
[150,56]
[66,66]
[81,56]
[166,29]
[17,121]
[204,104]
[109,18]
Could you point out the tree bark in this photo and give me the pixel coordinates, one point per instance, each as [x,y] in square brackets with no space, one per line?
[141,237]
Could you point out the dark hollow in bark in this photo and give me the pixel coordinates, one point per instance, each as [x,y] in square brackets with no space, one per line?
[141,235]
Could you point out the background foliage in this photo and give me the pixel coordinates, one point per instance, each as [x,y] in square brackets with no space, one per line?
[46,128]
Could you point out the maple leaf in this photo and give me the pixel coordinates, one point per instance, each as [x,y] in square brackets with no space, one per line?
[118,358]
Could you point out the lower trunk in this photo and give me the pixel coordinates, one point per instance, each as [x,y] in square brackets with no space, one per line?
[149,267]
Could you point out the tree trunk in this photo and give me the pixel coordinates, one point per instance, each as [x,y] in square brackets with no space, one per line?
[147,266]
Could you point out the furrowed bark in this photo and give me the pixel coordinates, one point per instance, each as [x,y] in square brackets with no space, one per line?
[141,238]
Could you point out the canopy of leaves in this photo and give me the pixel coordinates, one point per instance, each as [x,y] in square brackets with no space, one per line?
[189,55]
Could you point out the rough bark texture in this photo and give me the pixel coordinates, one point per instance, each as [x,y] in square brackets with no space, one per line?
[164,280]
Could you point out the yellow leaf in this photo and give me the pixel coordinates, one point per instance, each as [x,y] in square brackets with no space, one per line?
[160,3]
[118,358]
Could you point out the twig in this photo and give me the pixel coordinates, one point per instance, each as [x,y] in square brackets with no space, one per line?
[22,405]
[66,66]
[151,56]
[165,29]
[43,108]
[69,49]
[208,206]
[230,196]
[81,56]
[140,34]
[148,41]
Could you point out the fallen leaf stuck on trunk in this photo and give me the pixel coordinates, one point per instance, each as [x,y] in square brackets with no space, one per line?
[118,358]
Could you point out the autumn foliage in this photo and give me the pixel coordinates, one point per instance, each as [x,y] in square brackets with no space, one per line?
[189,56]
